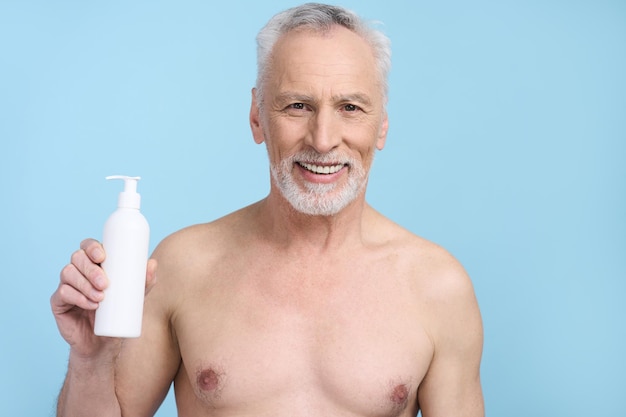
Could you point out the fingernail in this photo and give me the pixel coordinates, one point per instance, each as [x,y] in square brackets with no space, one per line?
[101,282]
[97,254]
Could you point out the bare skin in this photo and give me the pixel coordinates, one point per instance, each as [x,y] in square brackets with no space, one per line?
[270,312]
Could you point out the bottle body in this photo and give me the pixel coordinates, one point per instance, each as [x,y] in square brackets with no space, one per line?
[125,239]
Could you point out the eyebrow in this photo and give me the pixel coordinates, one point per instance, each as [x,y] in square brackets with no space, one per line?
[290,96]
[353,98]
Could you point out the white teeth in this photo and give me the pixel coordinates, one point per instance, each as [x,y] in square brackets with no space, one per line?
[319,169]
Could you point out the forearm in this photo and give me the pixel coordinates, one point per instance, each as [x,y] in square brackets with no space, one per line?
[89,389]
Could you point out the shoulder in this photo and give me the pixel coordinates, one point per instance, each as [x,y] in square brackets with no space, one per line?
[191,256]
[189,259]
[443,282]
[428,261]
[439,281]
[198,242]
[449,306]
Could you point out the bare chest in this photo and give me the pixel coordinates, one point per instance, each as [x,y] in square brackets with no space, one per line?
[326,342]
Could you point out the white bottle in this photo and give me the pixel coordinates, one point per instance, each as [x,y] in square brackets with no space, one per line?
[125,239]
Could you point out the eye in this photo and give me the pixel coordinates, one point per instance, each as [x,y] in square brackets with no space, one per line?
[297,109]
[350,107]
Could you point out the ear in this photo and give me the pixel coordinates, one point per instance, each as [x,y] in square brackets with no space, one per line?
[382,135]
[255,120]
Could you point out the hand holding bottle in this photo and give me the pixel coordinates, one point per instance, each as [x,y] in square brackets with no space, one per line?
[80,291]
[102,289]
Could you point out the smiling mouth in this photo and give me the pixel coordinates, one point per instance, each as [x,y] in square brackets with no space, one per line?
[321,169]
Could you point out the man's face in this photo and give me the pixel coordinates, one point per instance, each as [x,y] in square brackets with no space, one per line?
[322,118]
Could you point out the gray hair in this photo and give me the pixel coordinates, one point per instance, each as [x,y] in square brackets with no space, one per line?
[320,18]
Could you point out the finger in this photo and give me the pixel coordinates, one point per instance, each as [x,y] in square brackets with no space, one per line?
[94,250]
[151,277]
[67,297]
[90,270]
[71,276]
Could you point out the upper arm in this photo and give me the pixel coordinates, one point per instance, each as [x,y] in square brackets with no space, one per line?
[452,386]
[147,365]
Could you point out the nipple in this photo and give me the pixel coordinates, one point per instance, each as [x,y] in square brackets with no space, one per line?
[400,394]
[208,380]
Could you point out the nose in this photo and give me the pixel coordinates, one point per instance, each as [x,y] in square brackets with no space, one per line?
[324,131]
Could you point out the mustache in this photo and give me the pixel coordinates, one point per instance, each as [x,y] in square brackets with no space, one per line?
[312,156]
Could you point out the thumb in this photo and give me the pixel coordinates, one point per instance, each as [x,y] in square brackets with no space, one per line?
[151,277]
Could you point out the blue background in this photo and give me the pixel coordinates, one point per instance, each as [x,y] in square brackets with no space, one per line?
[507,146]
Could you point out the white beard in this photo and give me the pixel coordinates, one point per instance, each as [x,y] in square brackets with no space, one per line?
[319,199]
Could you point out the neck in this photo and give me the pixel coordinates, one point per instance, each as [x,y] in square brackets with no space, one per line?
[293,230]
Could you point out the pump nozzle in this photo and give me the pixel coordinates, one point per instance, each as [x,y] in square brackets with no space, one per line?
[129,198]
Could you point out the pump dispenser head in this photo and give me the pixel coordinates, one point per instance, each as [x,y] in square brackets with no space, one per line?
[129,198]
